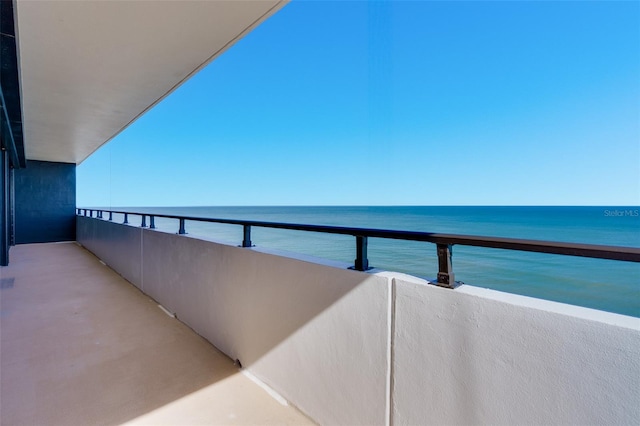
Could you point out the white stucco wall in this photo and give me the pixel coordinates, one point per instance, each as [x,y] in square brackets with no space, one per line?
[117,245]
[360,348]
[316,334]
[478,356]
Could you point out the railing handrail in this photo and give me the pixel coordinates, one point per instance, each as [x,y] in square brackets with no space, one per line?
[443,241]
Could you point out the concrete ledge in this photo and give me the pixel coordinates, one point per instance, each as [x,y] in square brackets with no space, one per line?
[316,334]
[349,347]
[478,356]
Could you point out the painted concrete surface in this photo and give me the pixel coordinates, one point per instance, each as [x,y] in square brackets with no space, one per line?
[387,348]
[79,345]
[117,245]
[316,334]
[477,356]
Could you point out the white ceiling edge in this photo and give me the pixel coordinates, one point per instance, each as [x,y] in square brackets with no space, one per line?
[90,69]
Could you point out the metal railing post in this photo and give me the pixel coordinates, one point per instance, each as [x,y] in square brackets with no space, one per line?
[246,239]
[110,215]
[99,214]
[126,218]
[446,277]
[182,231]
[362,262]
[152,222]
[144,222]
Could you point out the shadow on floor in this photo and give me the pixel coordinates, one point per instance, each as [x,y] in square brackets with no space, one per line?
[80,345]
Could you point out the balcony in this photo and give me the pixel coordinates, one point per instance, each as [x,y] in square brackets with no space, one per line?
[80,345]
[144,326]
[157,343]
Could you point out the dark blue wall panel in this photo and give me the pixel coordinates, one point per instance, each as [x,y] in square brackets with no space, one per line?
[45,202]
[4,208]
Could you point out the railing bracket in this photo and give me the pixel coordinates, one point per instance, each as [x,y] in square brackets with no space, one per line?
[446,277]
[246,236]
[361,263]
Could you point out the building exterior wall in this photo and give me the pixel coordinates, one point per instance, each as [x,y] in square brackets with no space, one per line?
[45,202]
[5,219]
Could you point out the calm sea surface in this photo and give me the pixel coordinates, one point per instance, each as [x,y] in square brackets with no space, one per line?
[602,284]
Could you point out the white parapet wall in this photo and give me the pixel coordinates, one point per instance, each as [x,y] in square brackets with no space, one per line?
[316,334]
[380,348]
[119,246]
[479,356]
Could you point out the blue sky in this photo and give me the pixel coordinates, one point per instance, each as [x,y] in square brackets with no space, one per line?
[396,103]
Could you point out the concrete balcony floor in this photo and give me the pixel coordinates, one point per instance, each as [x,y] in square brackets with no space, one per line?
[80,345]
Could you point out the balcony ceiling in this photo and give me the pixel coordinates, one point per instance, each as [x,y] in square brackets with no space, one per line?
[88,69]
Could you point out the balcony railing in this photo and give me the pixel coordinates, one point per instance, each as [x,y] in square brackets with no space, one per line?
[443,242]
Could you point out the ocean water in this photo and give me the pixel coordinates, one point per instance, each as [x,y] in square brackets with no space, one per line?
[601,284]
